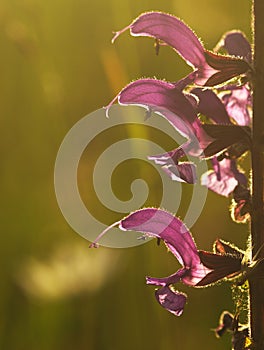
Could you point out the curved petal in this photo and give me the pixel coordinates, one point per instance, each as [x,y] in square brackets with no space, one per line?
[236,43]
[172,157]
[182,172]
[161,224]
[196,274]
[190,277]
[211,106]
[162,97]
[171,31]
[171,300]
[172,279]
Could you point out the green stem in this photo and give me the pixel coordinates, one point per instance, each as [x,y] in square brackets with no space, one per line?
[257,217]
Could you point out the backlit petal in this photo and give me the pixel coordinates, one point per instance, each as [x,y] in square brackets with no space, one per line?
[161,224]
[238,105]
[171,300]
[236,43]
[162,97]
[172,279]
[172,31]
[225,180]
[211,106]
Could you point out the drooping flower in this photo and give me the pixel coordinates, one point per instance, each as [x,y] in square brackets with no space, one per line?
[204,140]
[178,108]
[163,225]
[210,69]
[199,268]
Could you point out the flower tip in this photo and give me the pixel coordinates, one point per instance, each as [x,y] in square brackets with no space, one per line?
[116,35]
[148,280]
[107,111]
[94,245]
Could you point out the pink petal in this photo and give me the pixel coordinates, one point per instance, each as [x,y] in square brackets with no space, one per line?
[161,224]
[182,172]
[211,106]
[164,98]
[238,104]
[166,280]
[236,43]
[171,31]
[225,180]
[171,300]
[195,275]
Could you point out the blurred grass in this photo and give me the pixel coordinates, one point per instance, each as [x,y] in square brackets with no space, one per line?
[57,65]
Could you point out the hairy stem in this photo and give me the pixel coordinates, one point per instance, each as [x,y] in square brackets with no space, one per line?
[257,217]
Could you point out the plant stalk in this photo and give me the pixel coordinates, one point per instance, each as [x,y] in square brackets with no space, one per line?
[257,216]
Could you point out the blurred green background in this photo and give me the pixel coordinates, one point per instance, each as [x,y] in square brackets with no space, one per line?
[57,65]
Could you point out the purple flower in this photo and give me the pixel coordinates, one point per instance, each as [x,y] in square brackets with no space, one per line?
[221,129]
[210,69]
[199,268]
[224,178]
[211,106]
[165,99]
[163,225]
[179,109]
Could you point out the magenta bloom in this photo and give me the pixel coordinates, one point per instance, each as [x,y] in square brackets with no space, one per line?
[199,268]
[209,69]
[163,225]
[179,109]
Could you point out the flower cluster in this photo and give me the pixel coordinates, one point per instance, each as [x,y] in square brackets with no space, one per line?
[225,136]
[211,108]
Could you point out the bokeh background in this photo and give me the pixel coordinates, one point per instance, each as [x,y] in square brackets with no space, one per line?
[57,65]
